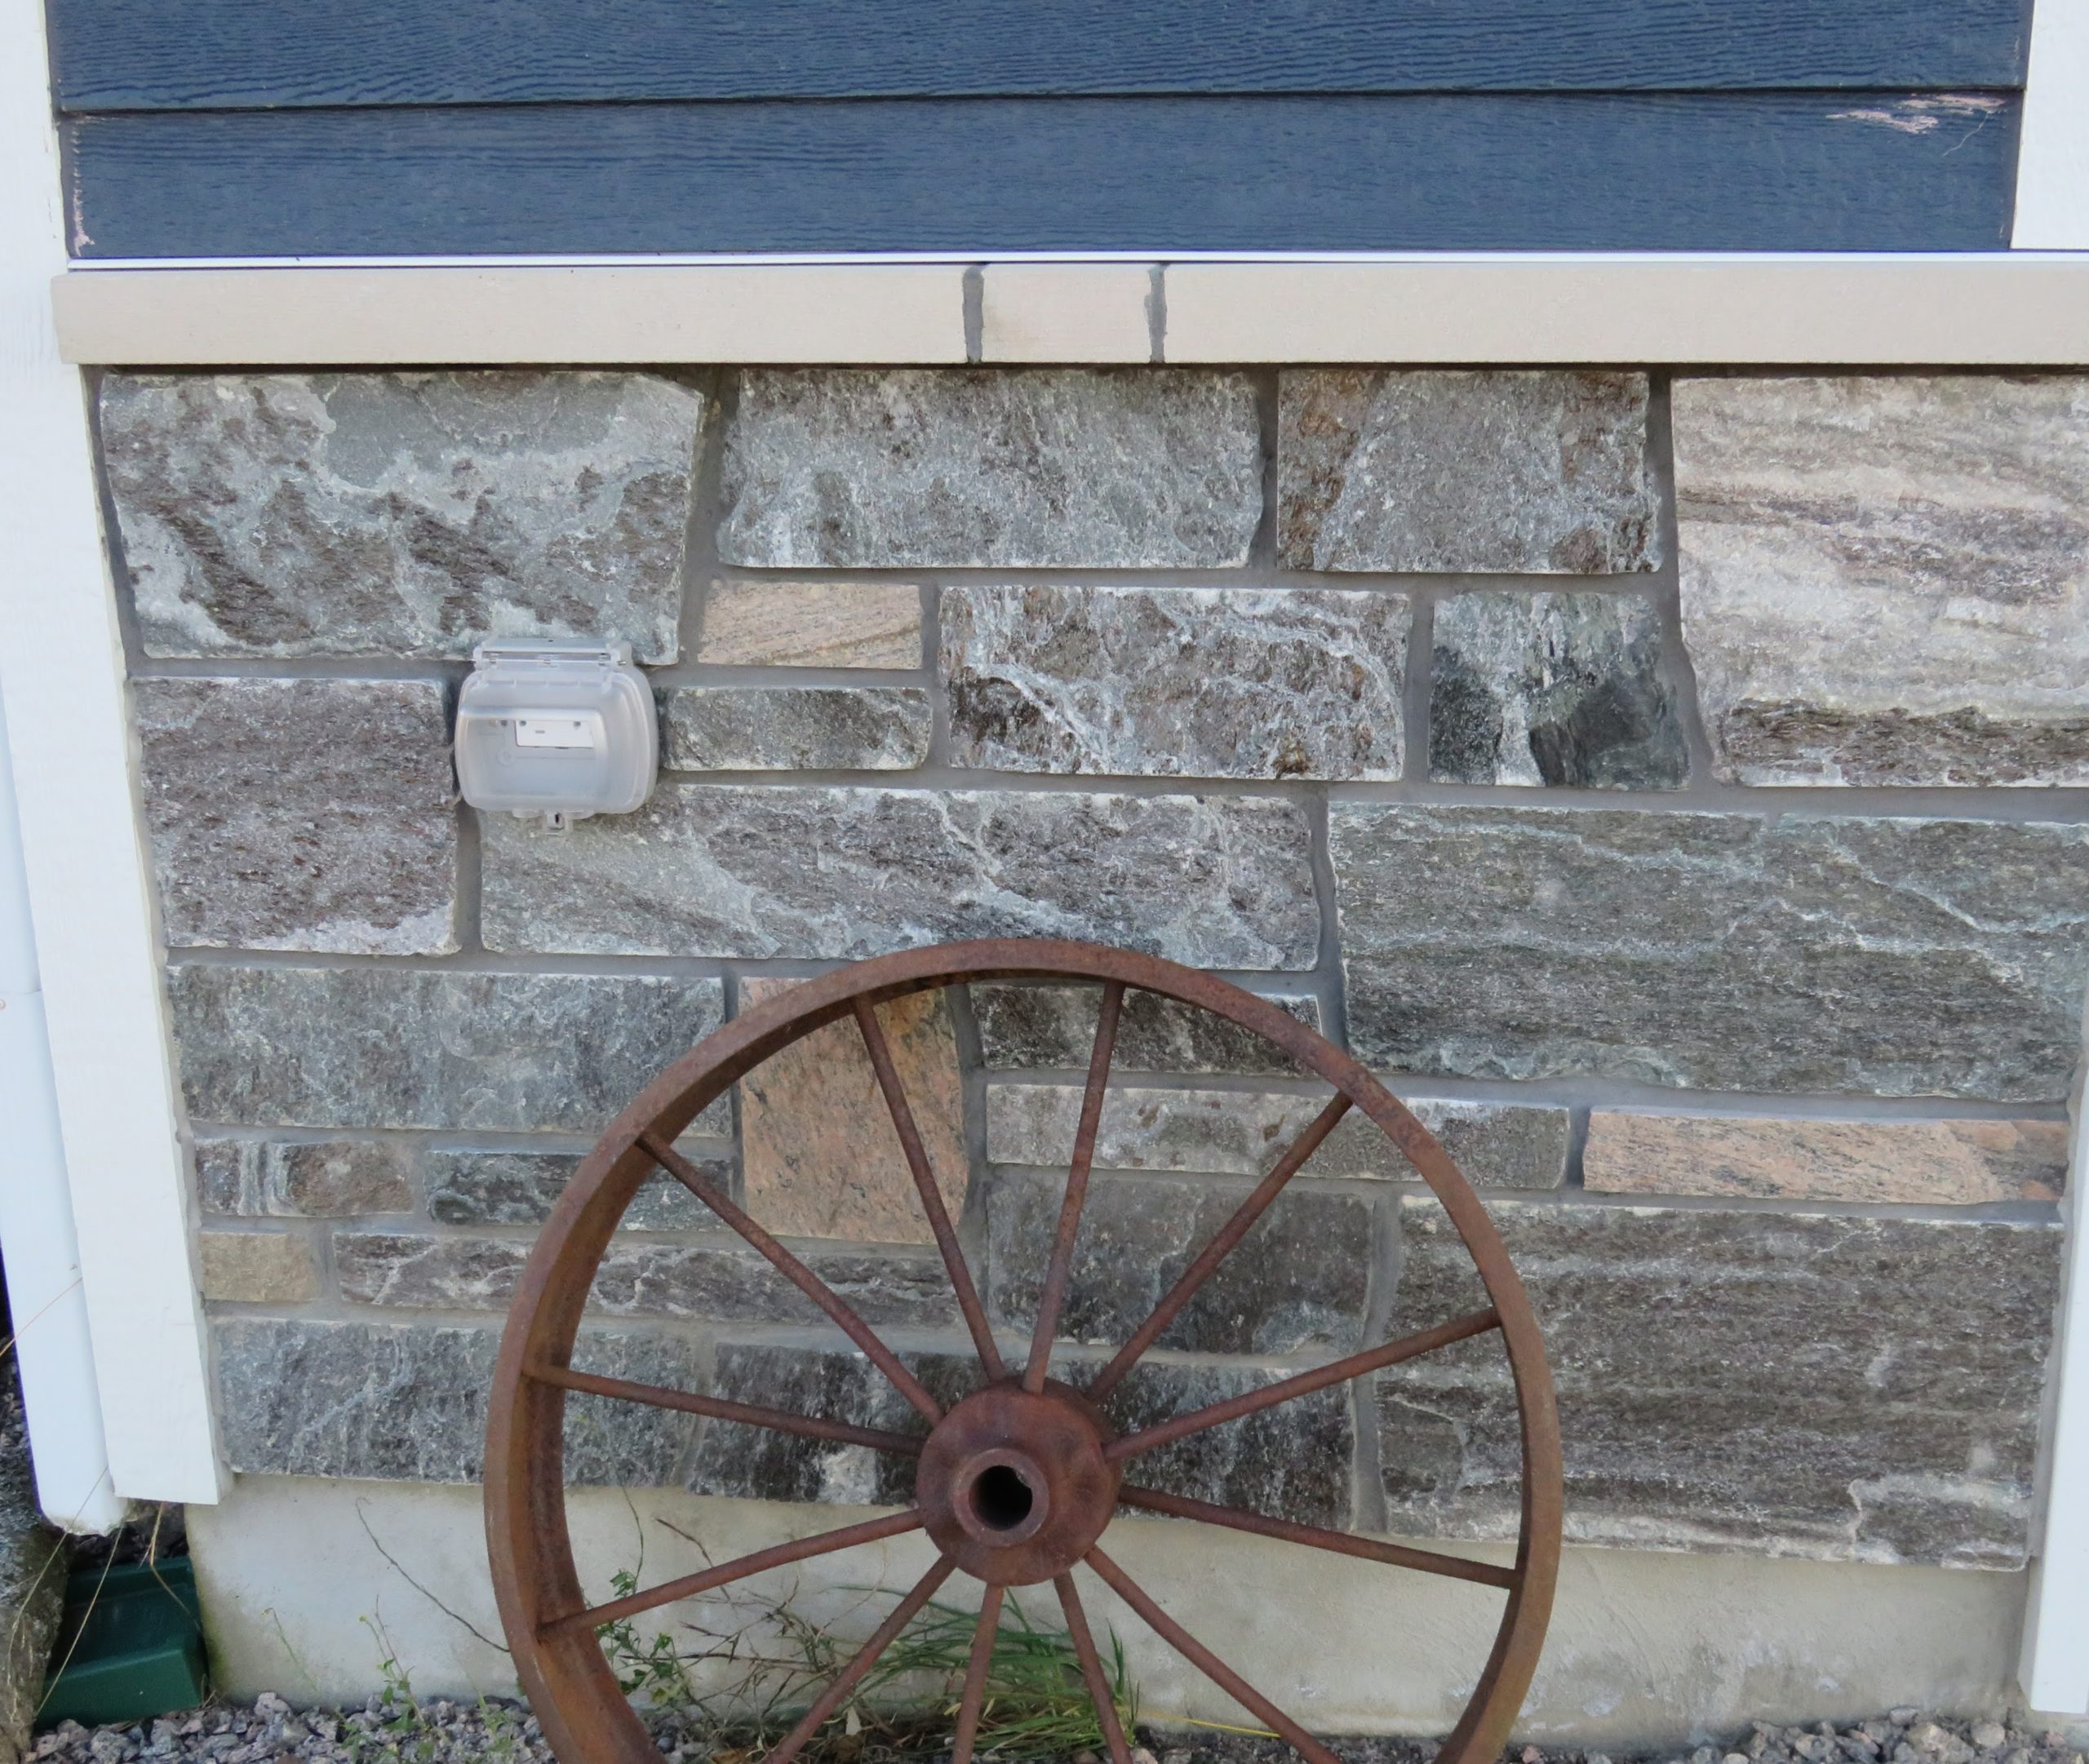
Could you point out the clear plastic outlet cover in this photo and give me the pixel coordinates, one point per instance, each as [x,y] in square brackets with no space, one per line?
[564,730]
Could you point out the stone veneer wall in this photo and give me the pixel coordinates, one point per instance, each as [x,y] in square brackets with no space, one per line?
[1624,766]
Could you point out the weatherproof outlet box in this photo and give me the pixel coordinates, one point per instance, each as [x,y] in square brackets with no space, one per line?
[563,730]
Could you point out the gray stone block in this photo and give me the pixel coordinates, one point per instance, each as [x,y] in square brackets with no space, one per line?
[1388,469]
[332,1179]
[1236,1132]
[1176,682]
[1148,1128]
[301,814]
[834,872]
[1023,1027]
[1495,1145]
[521,1188]
[401,514]
[1881,577]
[390,1047]
[1724,951]
[1293,1458]
[1845,1387]
[312,1397]
[1299,1282]
[783,729]
[1552,689]
[722,1281]
[1057,469]
[839,1385]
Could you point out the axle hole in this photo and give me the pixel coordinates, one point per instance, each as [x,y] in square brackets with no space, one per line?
[1001,1498]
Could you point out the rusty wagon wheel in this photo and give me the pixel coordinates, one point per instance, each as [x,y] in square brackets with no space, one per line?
[1016,1483]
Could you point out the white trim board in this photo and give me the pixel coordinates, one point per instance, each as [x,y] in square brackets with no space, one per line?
[1977,309]
[2052,143]
[62,664]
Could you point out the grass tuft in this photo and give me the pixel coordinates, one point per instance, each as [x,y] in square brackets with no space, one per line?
[768,1661]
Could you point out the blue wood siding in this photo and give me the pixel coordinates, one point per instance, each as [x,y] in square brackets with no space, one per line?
[189,55]
[410,127]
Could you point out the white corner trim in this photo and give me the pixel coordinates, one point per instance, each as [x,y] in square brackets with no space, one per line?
[2052,143]
[1975,309]
[2055,1666]
[61,662]
[46,1299]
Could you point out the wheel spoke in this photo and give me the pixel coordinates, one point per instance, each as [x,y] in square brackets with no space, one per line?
[795,1271]
[1220,1247]
[924,1180]
[975,1676]
[1305,1384]
[1054,1294]
[1316,1537]
[776,1556]
[850,1675]
[1205,1661]
[720,1409]
[1091,1669]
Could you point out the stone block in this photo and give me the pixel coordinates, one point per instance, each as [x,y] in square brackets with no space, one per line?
[1881,576]
[913,468]
[300,814]
[783,728]
[822,1155]
[1495,1145]
[332,1179]
[839,1385]
[390,1047]
[720,1281]
[1023,1027]
[1394,470]
[412,1269]
[1844,1388]
[837,872]
[1552,689]
[1216,1131]
[257,1267]
[1293,1458]
[521,1188]
[1176,682]
[313,1396]
[1299,1283]
[1720,952]
[1952,1163]
[1233,1132]
[401,514]
[811,624]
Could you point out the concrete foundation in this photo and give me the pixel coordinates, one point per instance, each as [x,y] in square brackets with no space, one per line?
[307,1583]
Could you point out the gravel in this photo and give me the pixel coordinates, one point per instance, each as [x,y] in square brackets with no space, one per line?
[268,1731]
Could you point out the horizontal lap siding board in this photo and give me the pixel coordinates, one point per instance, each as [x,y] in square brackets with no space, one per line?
[122,55]
[1757,171]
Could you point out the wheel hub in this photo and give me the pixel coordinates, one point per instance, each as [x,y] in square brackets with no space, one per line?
[1014,1487]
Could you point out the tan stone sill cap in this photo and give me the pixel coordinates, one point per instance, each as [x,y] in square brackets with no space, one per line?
[2008,308]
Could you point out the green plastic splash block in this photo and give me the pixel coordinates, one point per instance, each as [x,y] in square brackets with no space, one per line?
[131,1644]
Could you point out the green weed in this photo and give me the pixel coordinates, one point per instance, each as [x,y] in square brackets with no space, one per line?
[769,1661]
